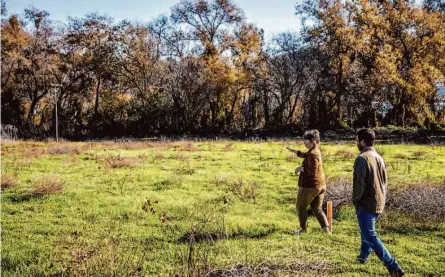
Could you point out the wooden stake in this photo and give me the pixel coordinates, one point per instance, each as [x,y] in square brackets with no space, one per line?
[329,208]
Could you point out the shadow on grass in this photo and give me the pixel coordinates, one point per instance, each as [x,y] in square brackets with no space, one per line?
[212,237]
[23,197]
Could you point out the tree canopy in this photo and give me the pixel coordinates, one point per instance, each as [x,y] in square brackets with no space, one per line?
[206,69]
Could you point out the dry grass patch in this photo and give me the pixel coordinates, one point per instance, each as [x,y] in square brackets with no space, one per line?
[8,181]
[49,184]
[181,157]
[419,154]
[400,156]
[346,154]
[136,145]
[64,148]
[109,145]
[285,262]
[159,156]
[119,162]
[229,147]
[110,255]
[21,163]
[71,160]
[189,147]
[33,152]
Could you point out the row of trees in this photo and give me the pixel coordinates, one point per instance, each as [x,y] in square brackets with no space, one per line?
[206,69]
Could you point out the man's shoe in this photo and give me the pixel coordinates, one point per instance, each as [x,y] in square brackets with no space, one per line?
[397,272]
[361,261]
[300,231]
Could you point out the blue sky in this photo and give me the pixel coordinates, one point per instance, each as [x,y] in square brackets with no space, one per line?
[273,16]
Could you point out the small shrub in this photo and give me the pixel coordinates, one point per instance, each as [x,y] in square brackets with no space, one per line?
[339,192]
[252,190]
[266,167]
[50,184]
[423,203]
[236,187]
[244,190]
[220,181]
[122,180]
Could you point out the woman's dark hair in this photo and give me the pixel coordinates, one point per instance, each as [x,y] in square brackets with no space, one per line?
[366,135]
[312,135]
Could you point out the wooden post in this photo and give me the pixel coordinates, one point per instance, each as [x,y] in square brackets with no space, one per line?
[57,124]
[329,208]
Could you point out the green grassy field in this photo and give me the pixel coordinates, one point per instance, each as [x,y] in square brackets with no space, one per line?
[196,208]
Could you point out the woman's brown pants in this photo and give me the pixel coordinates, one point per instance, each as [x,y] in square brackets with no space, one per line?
[314,198]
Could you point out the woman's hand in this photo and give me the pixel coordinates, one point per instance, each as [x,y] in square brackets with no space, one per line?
[292,150]
[299,169]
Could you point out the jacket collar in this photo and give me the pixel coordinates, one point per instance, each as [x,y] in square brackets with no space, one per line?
[369,148]
[313,149]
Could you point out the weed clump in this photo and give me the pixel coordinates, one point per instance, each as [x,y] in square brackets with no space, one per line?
[49,184]
[244,190]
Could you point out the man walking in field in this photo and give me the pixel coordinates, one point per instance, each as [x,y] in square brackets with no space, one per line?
[368,197]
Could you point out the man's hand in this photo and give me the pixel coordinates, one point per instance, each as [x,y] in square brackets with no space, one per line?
[299,169]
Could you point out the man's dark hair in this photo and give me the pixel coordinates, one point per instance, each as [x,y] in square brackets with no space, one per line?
[366,135]
[312,135]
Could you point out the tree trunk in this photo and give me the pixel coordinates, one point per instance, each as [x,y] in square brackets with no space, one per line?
[96,105]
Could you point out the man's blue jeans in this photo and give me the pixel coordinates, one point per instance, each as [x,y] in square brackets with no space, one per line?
[370,241]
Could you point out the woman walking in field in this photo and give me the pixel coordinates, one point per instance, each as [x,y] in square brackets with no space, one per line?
[311,182]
